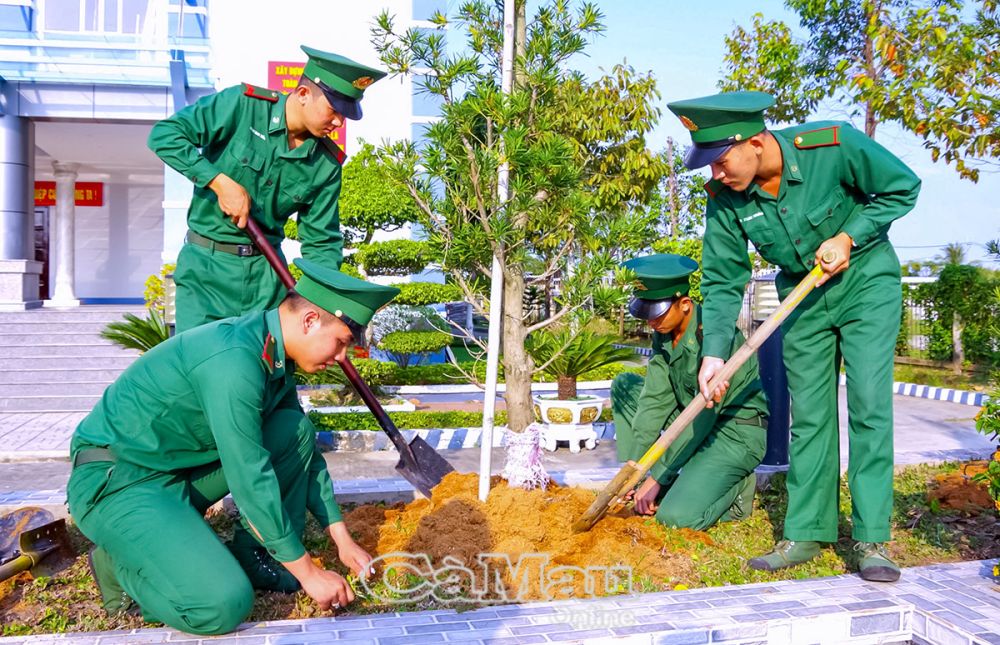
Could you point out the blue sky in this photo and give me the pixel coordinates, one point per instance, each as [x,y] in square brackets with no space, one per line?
[681,43]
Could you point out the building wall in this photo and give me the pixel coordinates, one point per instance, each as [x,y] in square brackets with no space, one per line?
[118,244]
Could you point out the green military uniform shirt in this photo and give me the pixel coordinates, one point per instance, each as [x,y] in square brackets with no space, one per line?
[672,383]
[201,398]
[854,186]
[241,132]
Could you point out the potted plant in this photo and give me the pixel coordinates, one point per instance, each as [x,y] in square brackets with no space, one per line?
[565,355]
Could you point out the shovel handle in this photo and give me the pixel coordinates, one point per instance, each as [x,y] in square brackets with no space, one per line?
[253,228]
[15,566]
[630,475]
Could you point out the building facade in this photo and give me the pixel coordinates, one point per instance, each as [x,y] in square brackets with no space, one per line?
[87,212]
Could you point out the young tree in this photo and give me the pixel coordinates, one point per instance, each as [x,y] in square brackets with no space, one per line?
[931,66]
[369,201]
[574,148]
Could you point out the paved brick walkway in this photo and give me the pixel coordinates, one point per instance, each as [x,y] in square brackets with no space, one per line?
[942,604]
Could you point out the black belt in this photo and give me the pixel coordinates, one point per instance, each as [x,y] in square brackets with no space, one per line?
[90,455]
[242,250]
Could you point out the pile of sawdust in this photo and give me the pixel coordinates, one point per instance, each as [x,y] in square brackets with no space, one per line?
[958,491]
[455,528]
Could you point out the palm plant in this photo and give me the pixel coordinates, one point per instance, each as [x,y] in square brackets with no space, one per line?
[138,333]
[565,355]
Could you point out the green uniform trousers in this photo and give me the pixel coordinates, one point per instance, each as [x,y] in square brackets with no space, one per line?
[713,458]
[853,318]
[165,554]
[213,284]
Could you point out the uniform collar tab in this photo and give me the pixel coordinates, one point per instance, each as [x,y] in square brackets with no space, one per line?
[277,118]
[273,354]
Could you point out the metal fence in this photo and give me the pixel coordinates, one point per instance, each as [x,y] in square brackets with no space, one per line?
[914,332]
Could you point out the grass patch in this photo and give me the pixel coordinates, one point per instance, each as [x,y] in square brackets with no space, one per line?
[976,381]
[923,532]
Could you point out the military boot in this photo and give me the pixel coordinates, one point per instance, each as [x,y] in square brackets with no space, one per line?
[786,553]
[875,564]
[265,573]
[114,599]
[742,507]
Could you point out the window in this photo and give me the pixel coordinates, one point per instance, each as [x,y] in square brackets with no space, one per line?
[15,18]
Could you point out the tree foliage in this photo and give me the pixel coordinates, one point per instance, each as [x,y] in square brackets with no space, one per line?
[574,149]
[369,201]
[930,66]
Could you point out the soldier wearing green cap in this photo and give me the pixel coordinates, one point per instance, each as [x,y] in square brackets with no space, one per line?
[254,152]
[798,194]
[209,412]
[717,454]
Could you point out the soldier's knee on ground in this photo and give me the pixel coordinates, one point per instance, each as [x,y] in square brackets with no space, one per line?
[679,516]
[220,609]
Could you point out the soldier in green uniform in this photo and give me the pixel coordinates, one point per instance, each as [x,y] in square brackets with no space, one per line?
[255,152]
[717,454]
[209,412]
[796,194]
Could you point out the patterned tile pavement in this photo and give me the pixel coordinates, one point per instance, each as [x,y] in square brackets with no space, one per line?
[950,604]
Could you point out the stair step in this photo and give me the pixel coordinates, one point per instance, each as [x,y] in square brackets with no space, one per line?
[52,338]
[45,327]
[93,351]
[83,403]
[80,314]
[16,390]
[61,363]
[54,376]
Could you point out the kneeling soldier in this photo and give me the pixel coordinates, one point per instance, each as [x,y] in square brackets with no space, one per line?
[708,471]
[209,412]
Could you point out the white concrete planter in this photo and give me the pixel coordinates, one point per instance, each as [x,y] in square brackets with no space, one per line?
[402,406]
[568,420]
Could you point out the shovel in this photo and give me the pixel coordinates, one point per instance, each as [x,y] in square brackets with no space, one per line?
[418,463]
[37,534]
[613,495]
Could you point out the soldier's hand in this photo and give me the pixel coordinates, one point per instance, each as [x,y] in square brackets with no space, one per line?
[834,256]
[710,366]
[327,588]
[353,556]
[234,201]
[645,497]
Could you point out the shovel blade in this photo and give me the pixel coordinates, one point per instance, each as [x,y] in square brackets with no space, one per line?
[34,545]
[15,523]
[427,471]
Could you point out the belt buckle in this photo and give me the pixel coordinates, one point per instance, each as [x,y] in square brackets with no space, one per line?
[245,250]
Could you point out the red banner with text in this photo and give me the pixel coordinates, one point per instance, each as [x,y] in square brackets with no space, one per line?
[88,193]
[284,77]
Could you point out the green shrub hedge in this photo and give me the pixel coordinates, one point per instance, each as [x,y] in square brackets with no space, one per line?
[421,294]
[340,422]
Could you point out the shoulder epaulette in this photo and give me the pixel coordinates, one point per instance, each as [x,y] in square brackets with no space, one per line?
[713,187]
[820,138]
[264,94]
[335,151]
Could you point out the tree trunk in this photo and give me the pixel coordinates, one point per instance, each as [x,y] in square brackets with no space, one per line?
[517,363]
[958,353]
[869,54]
[672,184]
[567,387]
[621,322]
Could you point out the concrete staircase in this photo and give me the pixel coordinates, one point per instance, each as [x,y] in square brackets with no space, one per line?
[54,360]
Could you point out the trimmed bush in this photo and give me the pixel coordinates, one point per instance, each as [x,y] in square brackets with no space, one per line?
[373,372]
[403,344]
[419,294]
[394,257]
